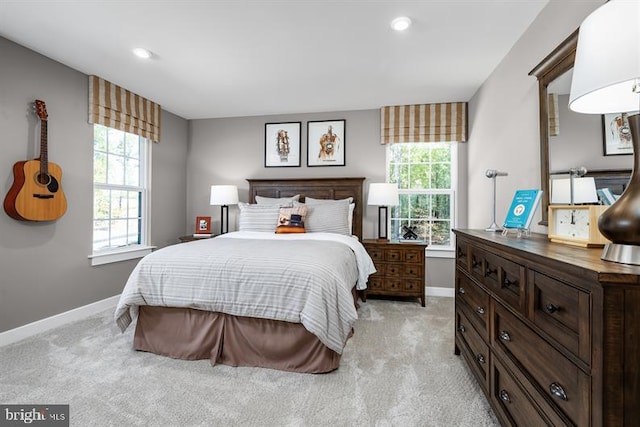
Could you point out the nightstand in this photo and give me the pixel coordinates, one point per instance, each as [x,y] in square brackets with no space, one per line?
[191,238]
[401,269]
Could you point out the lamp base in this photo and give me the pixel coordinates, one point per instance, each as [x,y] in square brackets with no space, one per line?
[493,227]
[623,254]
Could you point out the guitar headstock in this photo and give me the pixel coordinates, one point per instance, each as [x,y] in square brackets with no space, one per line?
[41,109]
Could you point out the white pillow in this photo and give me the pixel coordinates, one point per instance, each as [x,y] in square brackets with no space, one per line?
[258,217]
[261,200]
[328,218]
[311,201]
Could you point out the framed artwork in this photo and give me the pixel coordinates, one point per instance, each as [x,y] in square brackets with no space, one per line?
[203,225]
[326,143]
[282,145]
[616,134]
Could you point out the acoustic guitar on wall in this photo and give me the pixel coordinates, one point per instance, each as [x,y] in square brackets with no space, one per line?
[36,193]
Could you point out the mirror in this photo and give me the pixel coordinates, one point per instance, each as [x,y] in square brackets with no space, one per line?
[567,139]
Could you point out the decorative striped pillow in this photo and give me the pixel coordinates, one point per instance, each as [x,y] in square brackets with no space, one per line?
[258,217]
[328,217]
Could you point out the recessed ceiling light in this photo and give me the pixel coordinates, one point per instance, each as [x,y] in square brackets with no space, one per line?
[142,53]
[401,23]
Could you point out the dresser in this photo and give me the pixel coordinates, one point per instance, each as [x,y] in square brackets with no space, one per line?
[400,269]
[551,332]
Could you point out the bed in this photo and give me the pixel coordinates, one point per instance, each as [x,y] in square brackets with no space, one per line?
[256,298]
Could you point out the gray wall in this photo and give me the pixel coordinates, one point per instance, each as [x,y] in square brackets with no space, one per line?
[504,130]
[44,269]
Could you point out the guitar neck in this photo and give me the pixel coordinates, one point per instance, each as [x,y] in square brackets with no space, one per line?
[43,147]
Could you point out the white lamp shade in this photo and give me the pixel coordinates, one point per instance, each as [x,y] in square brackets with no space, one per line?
[608,60]
[224,195]
[584,190]
[383,194]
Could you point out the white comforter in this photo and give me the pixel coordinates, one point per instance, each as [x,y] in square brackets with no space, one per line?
[301,278]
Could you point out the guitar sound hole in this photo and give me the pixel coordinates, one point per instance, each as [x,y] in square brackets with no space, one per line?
[44,179]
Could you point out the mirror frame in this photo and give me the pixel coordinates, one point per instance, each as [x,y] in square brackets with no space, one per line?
[559,61]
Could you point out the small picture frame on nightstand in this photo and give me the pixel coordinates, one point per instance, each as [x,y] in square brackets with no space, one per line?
[203,226]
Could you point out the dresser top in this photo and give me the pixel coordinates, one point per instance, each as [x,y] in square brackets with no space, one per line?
[546,252]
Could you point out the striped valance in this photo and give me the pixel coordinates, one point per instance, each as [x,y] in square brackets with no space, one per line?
[115,107]
[424,123]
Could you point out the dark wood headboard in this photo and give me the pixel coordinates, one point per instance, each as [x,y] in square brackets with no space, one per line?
[317,188]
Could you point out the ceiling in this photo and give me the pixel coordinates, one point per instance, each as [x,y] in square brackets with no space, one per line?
[216,58]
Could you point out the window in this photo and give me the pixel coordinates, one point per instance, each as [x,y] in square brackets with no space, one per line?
[426,177]
[120,195]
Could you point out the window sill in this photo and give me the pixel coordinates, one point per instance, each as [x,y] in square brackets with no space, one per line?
[120,255]
[441,253]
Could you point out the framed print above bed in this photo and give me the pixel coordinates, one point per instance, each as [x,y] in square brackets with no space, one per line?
[282,145]
[326,143]
[616,134]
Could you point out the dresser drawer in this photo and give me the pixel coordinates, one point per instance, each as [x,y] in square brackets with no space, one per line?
[513,403]
[557,377]
[561,311]
[476,300]
[507,279]
[474,349]
[462,254]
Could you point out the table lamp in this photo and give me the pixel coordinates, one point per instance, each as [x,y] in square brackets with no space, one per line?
[493,174]
[606,79]
[224,195]
[383,195]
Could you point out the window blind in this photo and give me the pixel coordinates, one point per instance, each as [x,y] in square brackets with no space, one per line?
[446,122]
[115,107]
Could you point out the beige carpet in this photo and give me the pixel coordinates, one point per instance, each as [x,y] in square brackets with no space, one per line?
[397,370]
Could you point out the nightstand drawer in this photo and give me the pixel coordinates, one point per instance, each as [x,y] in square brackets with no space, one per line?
[393,255]
[414,256]
[376,253]
[375,282]
[411,271]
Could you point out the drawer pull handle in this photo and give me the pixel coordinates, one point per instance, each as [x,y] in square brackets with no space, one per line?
[550,308]
[490,271]
[480,358]
[461,290]
[461,328]
[557,390]
[504,396]
[475,263]
[480,310]
[508,282]
[504,336]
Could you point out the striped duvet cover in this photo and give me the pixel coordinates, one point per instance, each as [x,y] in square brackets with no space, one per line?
[300,278]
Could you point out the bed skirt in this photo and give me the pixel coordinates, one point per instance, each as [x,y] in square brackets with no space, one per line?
[185,333]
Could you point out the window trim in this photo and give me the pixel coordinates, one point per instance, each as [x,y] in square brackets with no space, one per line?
[108,256]
[438,251]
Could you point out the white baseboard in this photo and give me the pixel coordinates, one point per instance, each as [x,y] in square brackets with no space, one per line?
[440,292]
[39,326]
